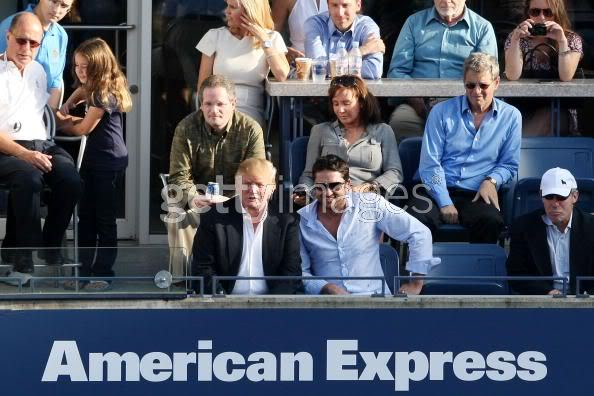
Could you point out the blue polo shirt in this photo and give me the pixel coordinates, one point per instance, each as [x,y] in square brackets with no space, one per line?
[52,52]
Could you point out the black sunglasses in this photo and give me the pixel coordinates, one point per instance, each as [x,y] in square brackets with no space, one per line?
[344,81]
[23,41]
[483,86]
[534,12]
[560,198]
[322,187]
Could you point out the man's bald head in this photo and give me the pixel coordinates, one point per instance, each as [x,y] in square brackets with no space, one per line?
[23,38]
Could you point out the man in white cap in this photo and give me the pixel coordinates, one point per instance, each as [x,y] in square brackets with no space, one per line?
[557,241]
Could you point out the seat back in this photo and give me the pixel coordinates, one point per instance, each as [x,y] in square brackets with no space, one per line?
[410,156]
[390,264]
[297,155]
[465,259]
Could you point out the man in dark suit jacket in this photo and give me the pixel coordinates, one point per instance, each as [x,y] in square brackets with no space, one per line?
[245,237]
[555,241]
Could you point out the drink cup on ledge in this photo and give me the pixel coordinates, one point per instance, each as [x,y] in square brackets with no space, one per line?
[332,63]
[303,66]
[318,70]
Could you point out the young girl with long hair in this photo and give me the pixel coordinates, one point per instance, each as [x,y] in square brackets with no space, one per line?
[102,86]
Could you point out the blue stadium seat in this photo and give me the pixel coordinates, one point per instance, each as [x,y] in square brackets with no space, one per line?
[410,154]
[464,259]
[390,264]
[541,154]
[297,154]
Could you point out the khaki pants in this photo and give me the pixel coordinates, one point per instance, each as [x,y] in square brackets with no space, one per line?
[180,236]
[405,122]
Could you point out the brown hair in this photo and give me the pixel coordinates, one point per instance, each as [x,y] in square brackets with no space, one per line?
[331,163]
[104,75]
[559,12]
[370,110]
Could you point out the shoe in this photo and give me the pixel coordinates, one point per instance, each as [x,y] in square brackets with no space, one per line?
[51,257]
[23,263]
[97,286]
[19,278]
[71,284]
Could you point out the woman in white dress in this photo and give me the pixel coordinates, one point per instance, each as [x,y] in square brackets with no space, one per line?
[246,50]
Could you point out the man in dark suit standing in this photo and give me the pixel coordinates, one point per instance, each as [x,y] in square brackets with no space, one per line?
[556,241]
[246,237]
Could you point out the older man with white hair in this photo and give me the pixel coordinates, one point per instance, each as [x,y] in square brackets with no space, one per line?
[470,148]
[556,240]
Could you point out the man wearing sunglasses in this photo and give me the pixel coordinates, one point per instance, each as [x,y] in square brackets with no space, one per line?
[471,147]
[341,231]
[27,158]
[557,240]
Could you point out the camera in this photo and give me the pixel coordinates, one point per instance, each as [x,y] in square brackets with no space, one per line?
[539,29]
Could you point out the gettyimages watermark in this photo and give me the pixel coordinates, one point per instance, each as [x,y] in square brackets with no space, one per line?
[177,203]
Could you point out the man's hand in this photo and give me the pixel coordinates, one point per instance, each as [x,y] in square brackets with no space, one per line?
[554,292]
[300,200]
[331,288]
[449,214]
[418,105]
[372,45]
[39,160]
[488,193]
[292,53]
[413,287]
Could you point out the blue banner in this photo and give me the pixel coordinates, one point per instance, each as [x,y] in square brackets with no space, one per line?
[298,352]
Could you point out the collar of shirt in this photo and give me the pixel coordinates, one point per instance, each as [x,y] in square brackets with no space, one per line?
[247,217]
[309,214]
[434,16]
[466,107]
[547,220]
[332,28]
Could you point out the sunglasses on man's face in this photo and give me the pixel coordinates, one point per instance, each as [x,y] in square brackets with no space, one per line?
[323,187]
[535,12]
[472,85]
[24,41]
[556,197]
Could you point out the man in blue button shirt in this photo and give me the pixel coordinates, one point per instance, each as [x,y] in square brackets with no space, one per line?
[341,230]
[342,24]
[433,43]
[470,148]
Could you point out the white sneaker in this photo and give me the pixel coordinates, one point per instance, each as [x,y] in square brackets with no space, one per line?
[16,277]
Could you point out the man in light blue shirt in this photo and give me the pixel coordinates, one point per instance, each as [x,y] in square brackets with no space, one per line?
[470,148]
[433,43]
[341,230]
[342,24]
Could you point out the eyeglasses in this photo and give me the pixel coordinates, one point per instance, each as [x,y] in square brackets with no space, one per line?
[322,187]
[483,86]
[344,81]
[534,12]
[560,198]
[23,41]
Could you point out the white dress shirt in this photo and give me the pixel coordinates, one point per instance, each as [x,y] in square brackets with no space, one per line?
[558,243]
[22,100]
[251,258]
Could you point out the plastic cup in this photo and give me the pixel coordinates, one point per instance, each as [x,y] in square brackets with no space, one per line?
[303,66]
[318,69]
[332,63]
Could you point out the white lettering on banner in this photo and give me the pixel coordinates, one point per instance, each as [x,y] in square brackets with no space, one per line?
[344,362]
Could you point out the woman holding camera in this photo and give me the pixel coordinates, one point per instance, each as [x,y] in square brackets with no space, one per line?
[543,45]
[357,135]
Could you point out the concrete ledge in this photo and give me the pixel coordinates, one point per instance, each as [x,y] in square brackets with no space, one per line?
[311,302]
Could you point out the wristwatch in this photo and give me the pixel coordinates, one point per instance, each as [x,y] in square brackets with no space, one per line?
[267,44]
[491,180]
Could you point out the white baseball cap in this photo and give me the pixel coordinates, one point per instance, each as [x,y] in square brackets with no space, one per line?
[557,181]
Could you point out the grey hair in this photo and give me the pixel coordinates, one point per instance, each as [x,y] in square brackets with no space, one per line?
[215,81]
[479,62]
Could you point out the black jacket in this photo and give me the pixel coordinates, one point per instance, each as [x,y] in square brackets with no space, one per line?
[219,241]
[529,252]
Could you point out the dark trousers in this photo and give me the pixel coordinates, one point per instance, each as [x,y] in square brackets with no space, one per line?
[97,228]
[25,182]
[483,221]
